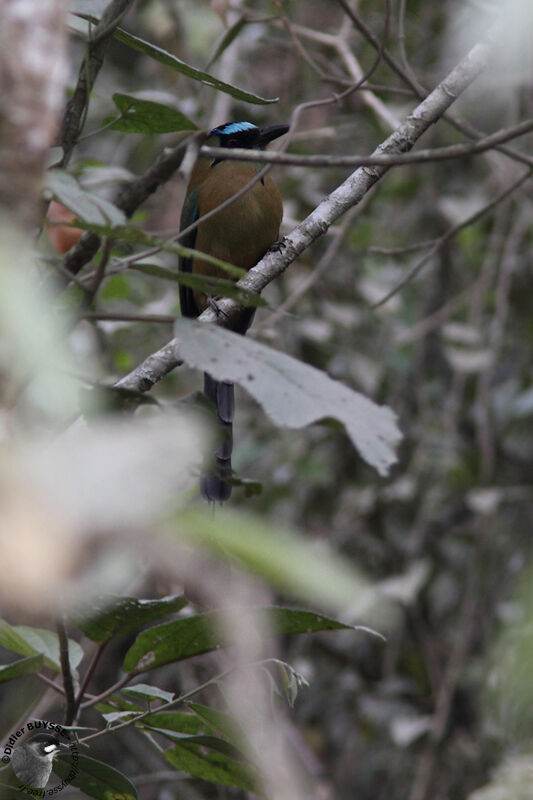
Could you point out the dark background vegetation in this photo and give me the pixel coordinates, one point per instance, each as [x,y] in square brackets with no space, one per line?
[450,353]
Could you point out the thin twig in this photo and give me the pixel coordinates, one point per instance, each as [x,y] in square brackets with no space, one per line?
[125,262]
[322,266]
[433,154]
[379,55]
[134,194]
[68,682]
[90,67]
[99,276]
[49,682]
[344,197]
[434,320]
[400,251]
[250,155]
[378,87]
[401,42]
[413,272]
[421,92]
[88,675]
[112,689]
[163,707]
[298,46]
[338,42]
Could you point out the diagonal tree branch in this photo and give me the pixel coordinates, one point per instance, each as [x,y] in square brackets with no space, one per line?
[344,197]
[134,194]
[410,79]
[90,67]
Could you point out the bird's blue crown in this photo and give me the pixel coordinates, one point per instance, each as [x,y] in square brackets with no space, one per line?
[234,127]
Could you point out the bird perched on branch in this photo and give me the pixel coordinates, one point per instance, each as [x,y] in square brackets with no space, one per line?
[32,759]
[239,234]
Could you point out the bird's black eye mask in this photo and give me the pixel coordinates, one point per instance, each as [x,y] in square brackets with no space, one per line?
[242,139]
[247,139]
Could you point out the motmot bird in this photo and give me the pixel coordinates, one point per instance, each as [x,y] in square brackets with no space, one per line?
[240,234]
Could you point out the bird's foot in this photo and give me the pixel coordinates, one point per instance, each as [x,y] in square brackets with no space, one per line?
[277,247]
[212,303]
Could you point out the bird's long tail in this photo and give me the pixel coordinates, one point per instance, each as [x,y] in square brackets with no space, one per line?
[216,483]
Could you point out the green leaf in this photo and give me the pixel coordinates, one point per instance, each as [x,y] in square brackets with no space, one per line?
[213,767]
[292,393]
[10,792]
[286,621]
[176,721]
[218,721]
[25,666]
[32,641]
[104,175]
[117,287]
[133,235]
[212,742]
[183,638]
[287,682]
[115,616]
[87,206]
[116,716]
[95,778]
[228,38]
[166,58]
[117,703]
[169,642]
[148,692]
[215,287]
[146,116]
[12,640]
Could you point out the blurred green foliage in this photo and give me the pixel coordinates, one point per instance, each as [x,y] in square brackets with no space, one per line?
[432,713]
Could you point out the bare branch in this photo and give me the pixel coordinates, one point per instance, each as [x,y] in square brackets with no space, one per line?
[401,42]
[421,92]
[347,195]
[111,690]
[338,42]
[137,718]
[92,63]
[49,682]
[134,194]
[400,251]
[413,272]
[377,158]
[151,370]
[322,266]
[68,682]
[88,675]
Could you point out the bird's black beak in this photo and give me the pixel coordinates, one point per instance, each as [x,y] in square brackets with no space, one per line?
[270,133]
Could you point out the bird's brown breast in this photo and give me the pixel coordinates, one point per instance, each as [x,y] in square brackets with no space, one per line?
[242,233]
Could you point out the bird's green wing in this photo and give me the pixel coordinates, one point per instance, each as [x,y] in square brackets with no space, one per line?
[189,214]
